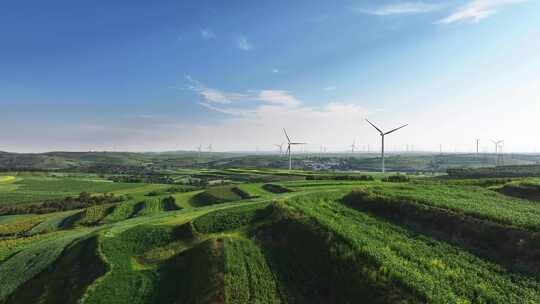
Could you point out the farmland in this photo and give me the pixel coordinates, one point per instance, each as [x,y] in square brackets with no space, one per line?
[266,236]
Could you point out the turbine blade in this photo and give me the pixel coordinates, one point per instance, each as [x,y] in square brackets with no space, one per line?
[286,135]
[295,143]
[391,131]
[374,126]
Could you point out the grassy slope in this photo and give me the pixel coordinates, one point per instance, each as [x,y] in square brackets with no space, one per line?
[247,276]
[33,259]
[149,264]
[36,188]
[216,195]
[474,201]
[434,270]
[122,284]
[75,270]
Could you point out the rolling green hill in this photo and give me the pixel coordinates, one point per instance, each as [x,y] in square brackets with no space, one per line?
[322,240]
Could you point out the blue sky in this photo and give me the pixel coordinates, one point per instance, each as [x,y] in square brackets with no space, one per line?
[163,75]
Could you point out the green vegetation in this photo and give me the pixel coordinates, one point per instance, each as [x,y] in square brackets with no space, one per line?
[264,235]
[434,271]
[232,218]
[123,284]
[273,188]
[36,257]
[35,188]
[529,189]
[83,200]
[93,215]
[221,194]
[74,271]
[247,276]
[502,171]
[516,249]
[473,201]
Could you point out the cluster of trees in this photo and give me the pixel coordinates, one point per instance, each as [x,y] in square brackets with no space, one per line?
[398,178]
[496,172]
[157,178]
[83,200]
[146,178]
[341,177]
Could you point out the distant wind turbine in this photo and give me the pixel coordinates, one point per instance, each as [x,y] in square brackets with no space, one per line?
[497,143]
[353,146]
[289,144]
[280,146]
[383,134]
[209,148]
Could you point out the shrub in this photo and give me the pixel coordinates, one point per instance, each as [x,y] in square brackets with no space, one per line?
[398,178]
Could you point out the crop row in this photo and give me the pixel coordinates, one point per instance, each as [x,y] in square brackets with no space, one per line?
[436,271]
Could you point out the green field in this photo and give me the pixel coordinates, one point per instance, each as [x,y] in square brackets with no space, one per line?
[308,239]
[33,188]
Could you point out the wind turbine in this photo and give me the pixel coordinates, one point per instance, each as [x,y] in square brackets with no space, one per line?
[209,148]
[199,150]
[353,146]
[289,144]
[280,146]
[497,144]
[383,134]
[477,145]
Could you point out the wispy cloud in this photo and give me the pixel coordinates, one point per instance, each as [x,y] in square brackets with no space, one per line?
[262,114]
[275,71]
[402,9]
[207,34]
[476,10]
[212,95]
[278,97]
[216,97]
[243,43]
[330,88]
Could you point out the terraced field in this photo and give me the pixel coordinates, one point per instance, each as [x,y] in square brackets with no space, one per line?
[288,241]
[27,188]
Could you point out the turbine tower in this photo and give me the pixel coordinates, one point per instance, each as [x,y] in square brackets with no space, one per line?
[498,150]
[199,150]
[209,148]
[497,143]
[280,146]
[383,134]
[477,145]
[289,144]
[353,146]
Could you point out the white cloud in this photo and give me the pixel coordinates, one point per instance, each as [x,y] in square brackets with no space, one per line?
[278,97]
[243,43]
[208,34]
[403,8]
[275,71]
[260,114]
[212,95]
[476,10]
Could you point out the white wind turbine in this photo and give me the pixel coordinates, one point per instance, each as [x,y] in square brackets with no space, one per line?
[280,146]
[289,144]
[199,150]
[353,146]
[497,144]
[383,134]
